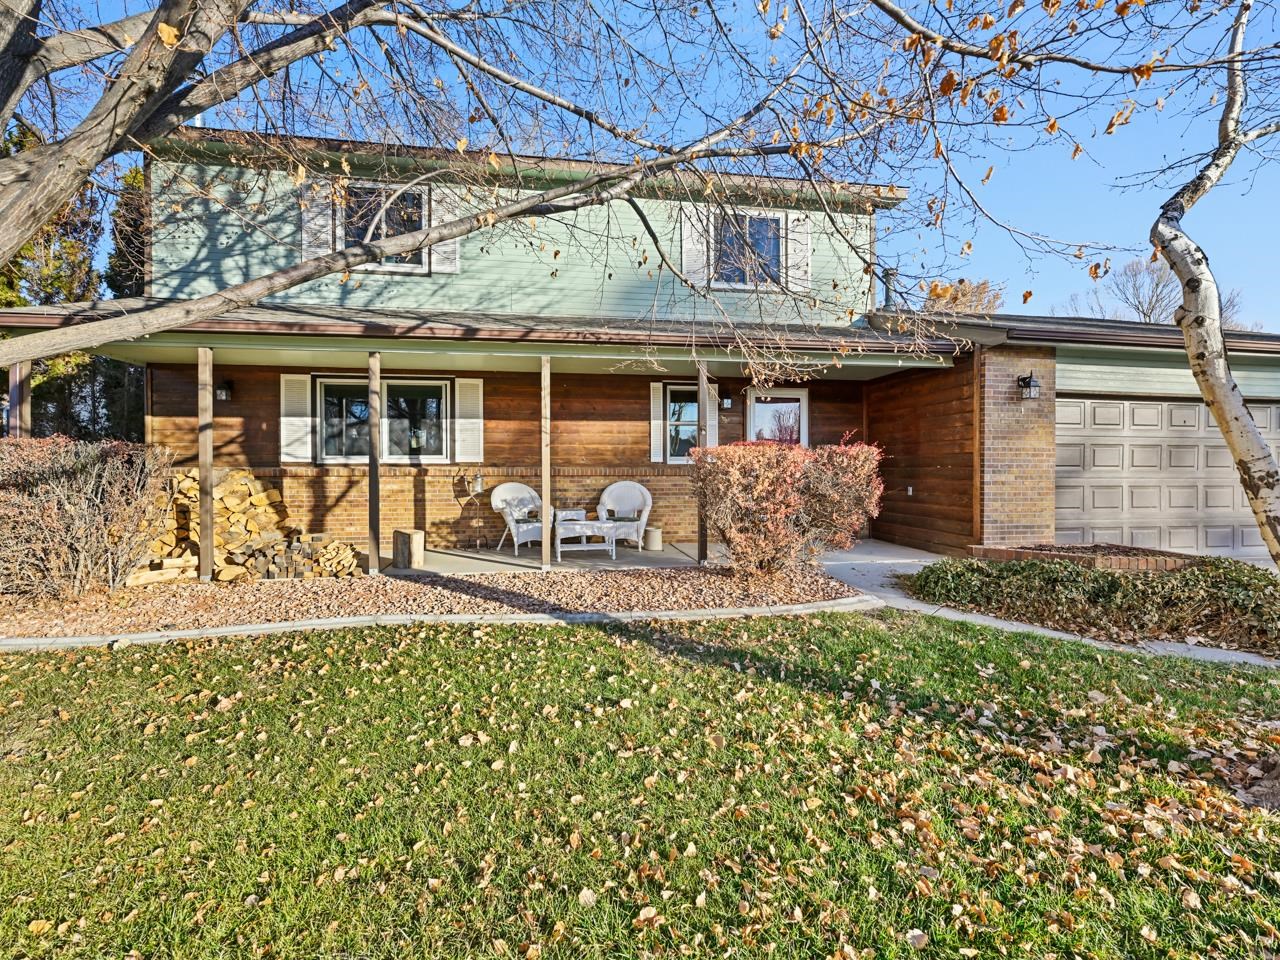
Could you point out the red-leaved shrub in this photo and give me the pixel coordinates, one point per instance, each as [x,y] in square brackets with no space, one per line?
[774,506]
[76,516]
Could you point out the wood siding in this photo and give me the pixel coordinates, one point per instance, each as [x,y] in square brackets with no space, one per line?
[925,422]
[219,225]
[1124,373]
[599,429]
[597,420]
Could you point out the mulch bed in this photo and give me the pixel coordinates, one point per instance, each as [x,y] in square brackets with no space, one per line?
[187,605]
[1101,550]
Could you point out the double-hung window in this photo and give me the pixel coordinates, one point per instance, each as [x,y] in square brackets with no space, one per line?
[374,212]
[415,420]
[747,249]
[682,421]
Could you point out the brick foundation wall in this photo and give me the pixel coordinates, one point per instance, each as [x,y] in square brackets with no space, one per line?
[1018,447]
[335,500]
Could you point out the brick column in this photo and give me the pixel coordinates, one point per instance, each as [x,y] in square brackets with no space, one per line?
[1017,448]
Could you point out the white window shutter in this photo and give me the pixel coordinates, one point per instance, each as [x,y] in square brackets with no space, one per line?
[799,244]
[657,423]
[695,243]
[295,418]
[445,205]
[315,203]
[713,415]
[468,421]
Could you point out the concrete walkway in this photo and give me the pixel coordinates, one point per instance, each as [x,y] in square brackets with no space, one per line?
[874,566]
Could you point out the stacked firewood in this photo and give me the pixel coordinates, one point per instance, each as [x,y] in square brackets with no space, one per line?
[253,536]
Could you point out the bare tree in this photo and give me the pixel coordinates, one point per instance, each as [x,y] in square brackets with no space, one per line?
[1147,291]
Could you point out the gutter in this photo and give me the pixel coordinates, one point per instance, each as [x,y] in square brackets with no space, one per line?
[934,347]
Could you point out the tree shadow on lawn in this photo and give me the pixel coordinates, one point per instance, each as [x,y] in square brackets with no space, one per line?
[1038,697]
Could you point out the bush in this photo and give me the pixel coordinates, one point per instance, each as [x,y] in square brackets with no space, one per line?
[76,516]
[1230,603]
[774,506]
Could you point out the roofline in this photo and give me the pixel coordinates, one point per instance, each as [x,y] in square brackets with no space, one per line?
[239,145]
[31,318]
[1079,331]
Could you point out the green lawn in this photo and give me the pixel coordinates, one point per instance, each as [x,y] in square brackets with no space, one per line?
[817,787]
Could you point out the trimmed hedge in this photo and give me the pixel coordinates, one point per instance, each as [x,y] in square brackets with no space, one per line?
[1226,602]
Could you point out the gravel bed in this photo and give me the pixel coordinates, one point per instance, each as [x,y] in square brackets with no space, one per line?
[186,605]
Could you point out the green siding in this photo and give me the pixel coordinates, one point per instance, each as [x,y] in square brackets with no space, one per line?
[1163,373]
[219,225]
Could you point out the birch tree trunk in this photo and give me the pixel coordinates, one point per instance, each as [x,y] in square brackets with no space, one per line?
[1200,315]
[1200,319]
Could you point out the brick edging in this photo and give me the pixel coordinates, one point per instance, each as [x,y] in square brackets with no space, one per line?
[1155,561]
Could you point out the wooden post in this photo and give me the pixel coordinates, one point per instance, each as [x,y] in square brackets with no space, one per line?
[545,438]
[704,401]
[204,449]
[375,457]
[20,399]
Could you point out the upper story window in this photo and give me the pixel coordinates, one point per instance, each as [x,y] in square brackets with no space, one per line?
[748,249]
[373,212]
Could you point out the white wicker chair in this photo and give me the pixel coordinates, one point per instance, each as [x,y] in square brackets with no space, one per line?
[515,501]
[626,498]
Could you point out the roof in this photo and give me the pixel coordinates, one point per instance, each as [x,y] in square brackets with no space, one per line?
[326,320]
[240,147]
[1082,331]
[949,335]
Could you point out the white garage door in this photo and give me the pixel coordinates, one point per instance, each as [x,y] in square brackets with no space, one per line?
[1151,473]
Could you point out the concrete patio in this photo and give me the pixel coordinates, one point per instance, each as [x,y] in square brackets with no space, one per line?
[869,565]
[456,562]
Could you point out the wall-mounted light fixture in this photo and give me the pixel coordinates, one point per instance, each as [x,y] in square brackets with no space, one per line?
[222,391]
[1029,386]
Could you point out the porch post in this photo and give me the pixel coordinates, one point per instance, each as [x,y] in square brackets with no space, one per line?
[545,443]
[20,399]
[704,400]
[204,451]
[375,457]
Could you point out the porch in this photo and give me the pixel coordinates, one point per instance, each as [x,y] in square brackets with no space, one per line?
[565,406]
[463,562]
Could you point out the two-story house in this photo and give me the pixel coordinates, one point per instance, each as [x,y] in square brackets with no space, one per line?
[565,354]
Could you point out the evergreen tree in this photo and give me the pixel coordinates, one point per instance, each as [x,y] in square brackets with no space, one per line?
[76,394]
[125,276]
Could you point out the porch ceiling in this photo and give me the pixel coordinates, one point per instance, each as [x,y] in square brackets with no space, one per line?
[326,353]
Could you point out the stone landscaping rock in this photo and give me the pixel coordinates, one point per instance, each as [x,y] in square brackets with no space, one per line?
[185,605]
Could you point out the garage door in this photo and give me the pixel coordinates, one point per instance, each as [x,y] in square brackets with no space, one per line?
[1151,473]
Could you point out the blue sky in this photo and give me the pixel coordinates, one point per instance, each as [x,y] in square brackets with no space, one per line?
[1045,191]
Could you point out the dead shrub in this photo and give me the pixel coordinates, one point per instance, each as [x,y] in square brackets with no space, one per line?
[775,506]
[76,516]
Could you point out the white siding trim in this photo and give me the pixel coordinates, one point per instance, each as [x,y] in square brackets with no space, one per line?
[468,432]
[657,422]
[799,274]
[445,205]
[296,428]
[695,244]
[315,208]
[713,415]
